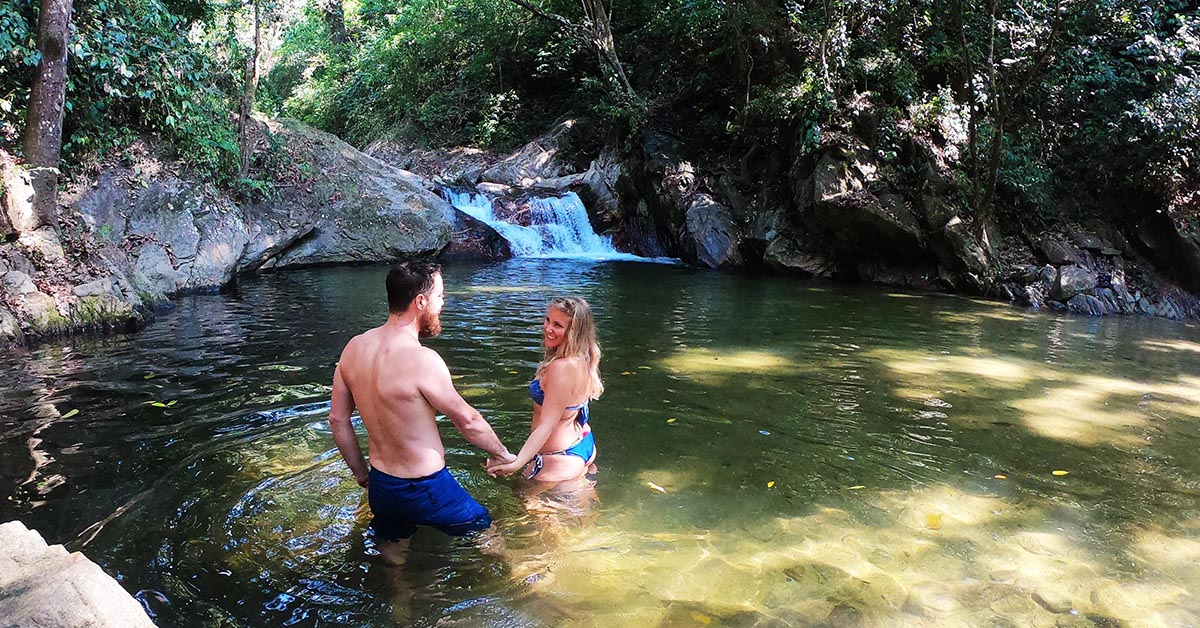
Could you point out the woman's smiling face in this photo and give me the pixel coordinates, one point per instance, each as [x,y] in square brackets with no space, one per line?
[554,327]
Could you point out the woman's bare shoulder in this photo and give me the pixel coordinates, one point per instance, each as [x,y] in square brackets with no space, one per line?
[565,368]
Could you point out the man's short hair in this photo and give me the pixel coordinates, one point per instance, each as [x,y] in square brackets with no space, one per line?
[408,279]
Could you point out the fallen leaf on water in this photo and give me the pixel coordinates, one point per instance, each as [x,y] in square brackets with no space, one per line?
[771,484]
[702,618]
[512,372]
[627,372]
[656,488]
[172,402]
[148,376]
[1059,472]
[672,420]
[858,487]
[644,368]
[1000,476]
[70,414]
[157,404]
[933,521]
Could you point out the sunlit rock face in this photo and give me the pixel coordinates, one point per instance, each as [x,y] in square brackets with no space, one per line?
[47,587]
[151,233]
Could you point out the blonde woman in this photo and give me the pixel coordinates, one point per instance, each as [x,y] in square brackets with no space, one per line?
[561,446]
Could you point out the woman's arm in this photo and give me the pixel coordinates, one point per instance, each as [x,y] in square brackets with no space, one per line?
[556,383]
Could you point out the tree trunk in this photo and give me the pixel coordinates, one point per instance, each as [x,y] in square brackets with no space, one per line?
[335,20]
[596,35]
[47,100]
[249,86]
[600,27]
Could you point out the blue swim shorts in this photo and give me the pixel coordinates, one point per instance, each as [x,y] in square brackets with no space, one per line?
[399,505]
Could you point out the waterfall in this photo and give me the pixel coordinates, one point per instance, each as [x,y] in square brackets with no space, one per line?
[559,226]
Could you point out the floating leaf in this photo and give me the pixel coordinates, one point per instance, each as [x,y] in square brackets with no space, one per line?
[627,372]
[148,376]
[771,484]
[672,420]
[512,373]
[858,487]
[1059,472]
[157,404]
[702,618]
[70,414]
[172,402]
[656,488]
[644,368]
[933,521]
[1000,476]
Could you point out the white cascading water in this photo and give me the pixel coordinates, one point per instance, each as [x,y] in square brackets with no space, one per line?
[560,227]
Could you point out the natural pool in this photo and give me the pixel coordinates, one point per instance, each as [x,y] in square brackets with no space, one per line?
[772,452]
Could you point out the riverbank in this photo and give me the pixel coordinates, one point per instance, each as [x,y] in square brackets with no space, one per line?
[137,233]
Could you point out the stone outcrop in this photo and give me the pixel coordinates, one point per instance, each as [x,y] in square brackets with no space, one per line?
[44,586]
[146,234]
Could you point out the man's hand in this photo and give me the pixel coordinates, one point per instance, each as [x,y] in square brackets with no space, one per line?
[505,461]
[362,478]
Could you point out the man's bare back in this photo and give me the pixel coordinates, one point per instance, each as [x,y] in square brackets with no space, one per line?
[387,373]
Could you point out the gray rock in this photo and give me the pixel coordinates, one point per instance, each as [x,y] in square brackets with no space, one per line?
[859,221]
[1089,241]
[1072,280]
[1086,304]
[537,160]
[710,238]
[1058,253]
[785,254]
[10,328]
[966,248]
[44,586]
[94,288]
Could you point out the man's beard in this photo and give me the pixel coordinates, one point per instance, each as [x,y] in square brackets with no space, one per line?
[431,325]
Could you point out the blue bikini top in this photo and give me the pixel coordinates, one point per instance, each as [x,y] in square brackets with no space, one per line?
[539,397]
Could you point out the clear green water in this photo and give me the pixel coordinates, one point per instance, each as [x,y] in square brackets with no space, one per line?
[772,452]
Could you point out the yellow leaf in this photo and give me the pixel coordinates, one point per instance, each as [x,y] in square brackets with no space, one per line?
[672,420]
[627,372]
[771,484]
[1000,476]
[158,404]
[857,488]
[512,372]
[1059,472]
[656,488]
[644,368]
[702,618]
[933,521]
[70,414]
[172,402]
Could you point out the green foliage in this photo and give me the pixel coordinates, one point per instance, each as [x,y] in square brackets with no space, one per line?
[133,69]
[18,59]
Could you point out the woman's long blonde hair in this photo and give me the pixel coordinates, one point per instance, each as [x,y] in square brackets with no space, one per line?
[580,340]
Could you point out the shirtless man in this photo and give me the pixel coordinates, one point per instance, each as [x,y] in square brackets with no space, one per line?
[397,385]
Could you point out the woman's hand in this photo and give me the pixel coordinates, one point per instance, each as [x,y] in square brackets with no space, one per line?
[505,469]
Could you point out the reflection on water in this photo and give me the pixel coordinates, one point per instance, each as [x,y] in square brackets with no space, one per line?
[772,452]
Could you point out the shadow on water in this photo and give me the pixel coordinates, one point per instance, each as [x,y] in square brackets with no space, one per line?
[771,452]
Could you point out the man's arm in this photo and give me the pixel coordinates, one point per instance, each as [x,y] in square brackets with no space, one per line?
[341,406]
[438,388]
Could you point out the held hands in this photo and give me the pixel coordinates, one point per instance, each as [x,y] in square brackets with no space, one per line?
[501,466]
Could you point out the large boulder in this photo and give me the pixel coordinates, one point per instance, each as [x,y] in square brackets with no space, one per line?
[709,236]
[546,157]
[862,222]
[44,586]
[1072,280]
[360,209]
